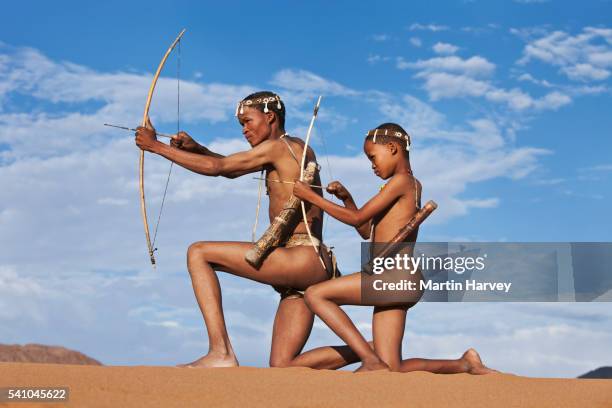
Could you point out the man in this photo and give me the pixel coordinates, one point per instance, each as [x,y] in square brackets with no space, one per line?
[290,268]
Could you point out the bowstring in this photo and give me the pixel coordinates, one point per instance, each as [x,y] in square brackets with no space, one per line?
[331,177]
[178,127]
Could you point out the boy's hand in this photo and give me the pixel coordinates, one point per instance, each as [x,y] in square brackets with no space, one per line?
[302,190]
[184,142]
[336,188]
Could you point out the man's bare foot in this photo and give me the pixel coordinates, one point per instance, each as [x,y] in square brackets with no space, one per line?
[474,363]
[376,366]
[213,359]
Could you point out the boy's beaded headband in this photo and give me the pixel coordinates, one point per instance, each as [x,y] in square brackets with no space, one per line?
[259,101]
[387,132]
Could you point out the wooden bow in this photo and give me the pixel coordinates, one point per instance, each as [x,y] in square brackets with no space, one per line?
[145,123]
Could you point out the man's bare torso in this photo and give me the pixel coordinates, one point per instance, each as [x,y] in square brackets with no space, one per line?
[286,168]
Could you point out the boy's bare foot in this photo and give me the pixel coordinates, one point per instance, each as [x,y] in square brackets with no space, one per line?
[213,359]
[376,366]
[474,363]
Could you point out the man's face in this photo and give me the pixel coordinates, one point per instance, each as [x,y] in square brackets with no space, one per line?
[382,157]
[255,125]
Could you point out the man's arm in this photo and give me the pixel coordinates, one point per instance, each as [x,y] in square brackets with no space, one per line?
[204,151]
[207,152]
[183,141]
[229,166]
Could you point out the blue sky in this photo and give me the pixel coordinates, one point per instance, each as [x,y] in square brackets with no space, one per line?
[506,103]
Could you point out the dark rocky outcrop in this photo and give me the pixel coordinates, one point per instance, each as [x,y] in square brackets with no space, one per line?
[38,353]
[601,372]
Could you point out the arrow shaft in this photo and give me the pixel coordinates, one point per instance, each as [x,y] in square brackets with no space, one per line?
[285,182]
[134,130]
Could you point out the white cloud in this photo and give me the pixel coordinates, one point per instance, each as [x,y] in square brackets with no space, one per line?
[427,27]
[307,82]
[440,85]
[515,98]
[416,41]
[587,90]
[550,182]
[567,89]
[538,336]
[300,89]
[445,85]
[473,66]
[527,33]
[122,97]
[444,48]
[585,72]
[601,167]
[481,30]
[373,59]
[581,57]
[529,78]
[381,37]
[552,101]
[33,74]
[605,33]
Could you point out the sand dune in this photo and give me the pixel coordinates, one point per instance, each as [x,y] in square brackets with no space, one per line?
[97,386]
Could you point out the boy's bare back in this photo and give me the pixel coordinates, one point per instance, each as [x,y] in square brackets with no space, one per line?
[388,223]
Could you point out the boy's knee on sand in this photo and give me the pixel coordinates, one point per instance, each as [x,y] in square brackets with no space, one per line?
[313,294]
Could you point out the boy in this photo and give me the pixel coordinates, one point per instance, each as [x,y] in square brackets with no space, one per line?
[387,147]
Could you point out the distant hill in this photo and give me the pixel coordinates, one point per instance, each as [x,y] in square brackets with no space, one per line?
[601,372]
[38,353]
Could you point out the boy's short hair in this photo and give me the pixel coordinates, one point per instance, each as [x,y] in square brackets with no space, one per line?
[265,101]
[390,132]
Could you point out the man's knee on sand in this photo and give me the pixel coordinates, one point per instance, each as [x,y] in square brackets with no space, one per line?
[280,362]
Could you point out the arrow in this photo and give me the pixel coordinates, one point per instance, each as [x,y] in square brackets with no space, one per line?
[134,130]
[286,182]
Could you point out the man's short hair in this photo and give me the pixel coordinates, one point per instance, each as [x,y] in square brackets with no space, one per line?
[273,105]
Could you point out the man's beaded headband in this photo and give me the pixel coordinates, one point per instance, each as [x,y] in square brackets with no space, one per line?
[259,101]
[387,132]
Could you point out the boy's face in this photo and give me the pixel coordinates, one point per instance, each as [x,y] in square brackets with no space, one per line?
[255,125]
[382,157]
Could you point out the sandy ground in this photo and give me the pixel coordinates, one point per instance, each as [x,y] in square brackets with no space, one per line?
[145,386]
